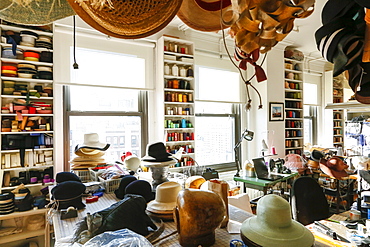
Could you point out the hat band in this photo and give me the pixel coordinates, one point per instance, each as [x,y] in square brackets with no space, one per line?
[213,6]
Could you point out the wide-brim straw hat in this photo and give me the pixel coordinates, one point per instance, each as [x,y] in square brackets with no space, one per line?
[4,4]
[37,12]
[273,226]
[91,141]
[201,19]
[128,19]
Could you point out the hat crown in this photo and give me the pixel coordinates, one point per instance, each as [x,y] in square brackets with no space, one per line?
[91,138]
[274,211]
[167,192]
[157,150]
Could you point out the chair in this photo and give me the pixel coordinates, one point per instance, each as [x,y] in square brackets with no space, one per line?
[308,201]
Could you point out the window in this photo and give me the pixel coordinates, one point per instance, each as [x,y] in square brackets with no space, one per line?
[114,112]
[217,116]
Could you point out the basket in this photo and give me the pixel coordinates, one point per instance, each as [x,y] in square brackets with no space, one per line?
[93,175]
[110,185]
[84,175]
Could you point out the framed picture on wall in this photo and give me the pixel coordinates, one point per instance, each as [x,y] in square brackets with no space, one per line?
[276,111]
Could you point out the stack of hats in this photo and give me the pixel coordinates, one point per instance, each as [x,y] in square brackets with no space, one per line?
[26,70]
[7,203]
[8,53]
[313,161]
[165,201]
[23,200]
[28,38]
[8,87]
[9,69]
[89,154]
[30,55]
[44,41]
[45,72]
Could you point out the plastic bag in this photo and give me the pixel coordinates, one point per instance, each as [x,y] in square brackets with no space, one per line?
[119,238]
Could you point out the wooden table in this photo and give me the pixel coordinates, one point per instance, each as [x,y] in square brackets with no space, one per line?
[65,228]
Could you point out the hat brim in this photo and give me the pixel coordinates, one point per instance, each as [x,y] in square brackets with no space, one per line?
[333,173]
[97,146]
[199,19]
[35,12]
[294,235]
[141,21]
[161,207]
[158,163]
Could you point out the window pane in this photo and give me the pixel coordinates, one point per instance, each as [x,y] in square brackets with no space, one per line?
[108,68]
[310,94]
[215,108]
[218,85]
[85,98]
[214,140]
[118,131]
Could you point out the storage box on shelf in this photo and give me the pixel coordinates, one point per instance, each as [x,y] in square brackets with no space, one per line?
[177,64]
[293,105]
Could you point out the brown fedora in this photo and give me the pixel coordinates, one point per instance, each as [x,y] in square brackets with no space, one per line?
[334,167]
[128,19]
[204,15]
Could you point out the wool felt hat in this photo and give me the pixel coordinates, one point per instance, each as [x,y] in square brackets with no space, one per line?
[165,198]
[37,12]
[91,141]
[66,176]
[68,194]
[273,225]
[334,167]
[127,19]
[205,15]
[125,180]
[341,38]
[142,188]
[156,152]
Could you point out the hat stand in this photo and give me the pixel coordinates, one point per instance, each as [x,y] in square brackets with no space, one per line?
[159,171]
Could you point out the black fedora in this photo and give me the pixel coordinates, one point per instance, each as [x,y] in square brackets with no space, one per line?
[156,152]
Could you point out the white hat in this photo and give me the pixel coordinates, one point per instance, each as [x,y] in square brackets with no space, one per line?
[132,163]
[165,198]
[273,225]
[91,141]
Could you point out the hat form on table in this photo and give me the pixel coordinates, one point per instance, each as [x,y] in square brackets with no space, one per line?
[165,198]
[334,167]
[132,163]
[35,12]
[126,19]
[273,226]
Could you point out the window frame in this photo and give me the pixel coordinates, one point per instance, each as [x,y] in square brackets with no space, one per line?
[67,113]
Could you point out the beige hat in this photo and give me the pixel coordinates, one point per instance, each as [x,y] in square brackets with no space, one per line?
[132,163]
[273,226]
[165,198]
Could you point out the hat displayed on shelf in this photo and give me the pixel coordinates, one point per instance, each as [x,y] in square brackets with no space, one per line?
[273,225]
[125,180]
[203,15]
[156,152]
[36,12]
[165,198]
[142,188]
[334,167]
[68,194]
[66,176]
[127,19]
[91,141]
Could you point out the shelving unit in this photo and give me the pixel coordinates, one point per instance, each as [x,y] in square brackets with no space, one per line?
[338,115]
[176,70]
[293,106]
[27,125]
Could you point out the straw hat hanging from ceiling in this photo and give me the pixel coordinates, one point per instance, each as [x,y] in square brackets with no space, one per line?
[127,19]
[35,12]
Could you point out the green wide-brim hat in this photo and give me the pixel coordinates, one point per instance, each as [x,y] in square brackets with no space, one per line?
[37,12]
